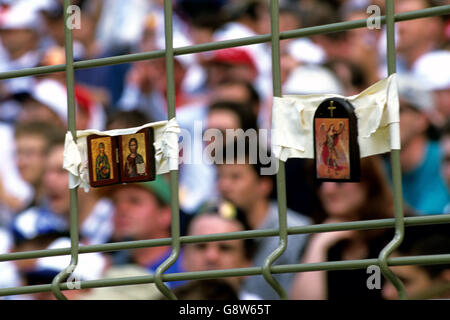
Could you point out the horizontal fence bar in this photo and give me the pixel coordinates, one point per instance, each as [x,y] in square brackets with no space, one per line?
[310,229]
[304,32]
[252,271]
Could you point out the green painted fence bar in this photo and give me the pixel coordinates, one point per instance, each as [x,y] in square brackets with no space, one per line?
[396,169]
[281,178]
[267,269]
[73,224]
[175,222]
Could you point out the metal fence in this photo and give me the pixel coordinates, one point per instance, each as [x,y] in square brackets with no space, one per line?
[267,270]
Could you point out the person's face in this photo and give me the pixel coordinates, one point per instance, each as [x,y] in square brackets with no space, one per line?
[222,120]
[410,32]
[342,200]
[216,73]
[137,214]
[56,182]
[218,254]
[231,92]
[442,102]
[133,146]
[361,35]
[412,123]
[35,111]
[414,278]
[16,39]
[55,27]
[30,157]
[239,184]
[242,72]
[446,159]
[101,149]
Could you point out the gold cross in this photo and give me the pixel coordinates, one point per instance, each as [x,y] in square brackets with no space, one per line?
[331,108]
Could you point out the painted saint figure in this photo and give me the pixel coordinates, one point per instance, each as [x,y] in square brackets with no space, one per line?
[134,165]
[102,166]
[329,152]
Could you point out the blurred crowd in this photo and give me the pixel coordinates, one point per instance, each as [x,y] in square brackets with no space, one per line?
[222,89]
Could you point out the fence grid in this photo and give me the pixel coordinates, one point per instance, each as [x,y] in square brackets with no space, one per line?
[267,270]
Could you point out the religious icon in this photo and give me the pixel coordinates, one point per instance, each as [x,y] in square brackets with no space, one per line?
[336,147]
[125,158]
[136,156]
[134,164]
[102,166]
[102,160]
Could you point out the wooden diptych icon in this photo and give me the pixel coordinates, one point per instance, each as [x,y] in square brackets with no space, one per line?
[118,159]
[336,149]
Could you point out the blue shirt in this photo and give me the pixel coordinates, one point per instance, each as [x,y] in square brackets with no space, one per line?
[174,268]
[37,221]
[423,188]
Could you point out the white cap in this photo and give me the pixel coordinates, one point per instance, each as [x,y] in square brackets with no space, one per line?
[179,40]
[413,90]
[22,15]
[53,94]
[306,51]
[434,69]
[90,265]
[312,80]
[147,291]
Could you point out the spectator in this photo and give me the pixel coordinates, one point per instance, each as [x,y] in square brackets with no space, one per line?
[420,157]
[238,91]
[15,193]
[230,64]
[48,216]
[370,199]
[350,74]
[126,119]
[142,212]
[146,291]
[52,214]
[434,69]
[422,281]
[416,37]
[250,18]
[90,113]
[32,143]
[362,42]
[245,186]
[46,101]
[334,45]
[20,41]
[221,115]
[52,17]
[297,51]
[90,266]
[221,218]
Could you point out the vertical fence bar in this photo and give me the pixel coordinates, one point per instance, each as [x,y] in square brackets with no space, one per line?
[73,224]
[281,181]
[174,204]
[395,165]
